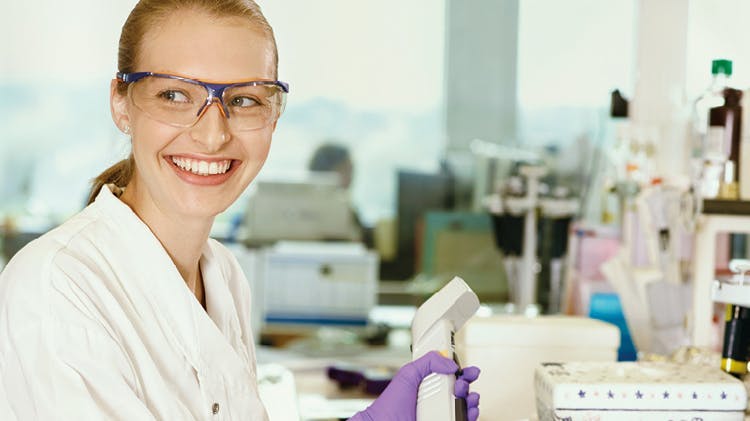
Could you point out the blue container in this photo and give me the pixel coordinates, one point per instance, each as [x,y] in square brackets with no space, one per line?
[607,307]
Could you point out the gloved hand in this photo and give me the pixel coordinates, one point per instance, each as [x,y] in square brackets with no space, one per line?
[398,402]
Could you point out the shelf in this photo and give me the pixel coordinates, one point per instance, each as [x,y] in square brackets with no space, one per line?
[726,207]
[731,293]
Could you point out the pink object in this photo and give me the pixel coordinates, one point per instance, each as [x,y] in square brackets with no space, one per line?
[595,246]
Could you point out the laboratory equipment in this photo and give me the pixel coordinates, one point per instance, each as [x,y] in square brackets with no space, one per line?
[598,198]
[507,222]
[628,391]
[509,348]
[725,123]
[313,283]
[707,154]
[555,216]
[512,209]
[433,328]
[314,209]
[647,272]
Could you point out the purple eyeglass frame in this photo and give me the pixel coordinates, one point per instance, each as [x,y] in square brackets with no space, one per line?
[215,90]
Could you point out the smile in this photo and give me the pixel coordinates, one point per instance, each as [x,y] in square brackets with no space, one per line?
[200,167]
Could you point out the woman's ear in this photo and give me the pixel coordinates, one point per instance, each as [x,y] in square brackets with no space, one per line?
[118,106]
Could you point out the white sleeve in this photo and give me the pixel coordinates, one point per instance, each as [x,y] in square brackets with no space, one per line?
[54,371]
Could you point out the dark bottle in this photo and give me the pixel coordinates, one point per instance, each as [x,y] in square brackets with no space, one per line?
[725,124]
[734,355]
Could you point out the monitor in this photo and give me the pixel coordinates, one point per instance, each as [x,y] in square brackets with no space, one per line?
[317,209]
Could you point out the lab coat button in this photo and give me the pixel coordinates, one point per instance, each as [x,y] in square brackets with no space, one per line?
[215,408]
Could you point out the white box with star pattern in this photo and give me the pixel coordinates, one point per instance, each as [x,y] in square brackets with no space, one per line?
[637,391]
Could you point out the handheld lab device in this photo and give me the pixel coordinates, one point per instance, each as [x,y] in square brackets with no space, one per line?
[432,329]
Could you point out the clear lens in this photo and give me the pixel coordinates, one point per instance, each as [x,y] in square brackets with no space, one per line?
[179,102]
[253,106]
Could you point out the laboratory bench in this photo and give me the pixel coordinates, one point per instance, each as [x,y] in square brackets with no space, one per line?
[317,397]
[509,349]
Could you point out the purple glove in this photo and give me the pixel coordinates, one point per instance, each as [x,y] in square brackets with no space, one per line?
[398,402]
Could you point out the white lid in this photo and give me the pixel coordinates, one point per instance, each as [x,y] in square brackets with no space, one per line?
[564,331]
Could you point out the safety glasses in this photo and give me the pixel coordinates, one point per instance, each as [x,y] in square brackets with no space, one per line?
[180,101]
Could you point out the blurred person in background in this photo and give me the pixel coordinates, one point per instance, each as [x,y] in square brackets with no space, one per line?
[333,157]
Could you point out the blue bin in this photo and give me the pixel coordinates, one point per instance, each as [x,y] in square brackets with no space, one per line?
[607,307]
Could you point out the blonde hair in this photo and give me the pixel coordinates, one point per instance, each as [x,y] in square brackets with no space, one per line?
[149,14]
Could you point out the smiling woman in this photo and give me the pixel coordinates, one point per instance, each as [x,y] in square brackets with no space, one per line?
[128,310]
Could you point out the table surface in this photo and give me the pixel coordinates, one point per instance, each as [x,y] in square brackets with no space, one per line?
[318,397]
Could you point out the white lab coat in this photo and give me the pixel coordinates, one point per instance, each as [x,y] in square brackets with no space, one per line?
[97,323]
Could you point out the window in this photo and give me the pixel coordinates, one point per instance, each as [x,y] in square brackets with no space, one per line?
[571,55]
[367,74]
[58,58]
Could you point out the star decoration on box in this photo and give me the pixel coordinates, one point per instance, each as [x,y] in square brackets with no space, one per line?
[582,394]
[638,394]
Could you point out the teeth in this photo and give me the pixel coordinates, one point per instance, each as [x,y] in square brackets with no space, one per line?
[202,167]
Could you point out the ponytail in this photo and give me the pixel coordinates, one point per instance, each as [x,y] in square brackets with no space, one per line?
[118,174]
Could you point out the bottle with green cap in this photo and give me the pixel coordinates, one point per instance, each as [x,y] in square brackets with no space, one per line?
[707,152]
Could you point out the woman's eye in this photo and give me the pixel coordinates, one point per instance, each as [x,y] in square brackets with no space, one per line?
[243,101]
[174,96]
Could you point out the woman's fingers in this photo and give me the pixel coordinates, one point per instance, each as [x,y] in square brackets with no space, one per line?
[472,401]
[470,373]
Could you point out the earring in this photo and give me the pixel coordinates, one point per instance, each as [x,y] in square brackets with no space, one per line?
[126,130]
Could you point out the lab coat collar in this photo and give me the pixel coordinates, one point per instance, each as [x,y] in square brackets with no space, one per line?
[207,344]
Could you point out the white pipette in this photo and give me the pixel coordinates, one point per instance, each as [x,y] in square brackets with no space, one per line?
[433,328]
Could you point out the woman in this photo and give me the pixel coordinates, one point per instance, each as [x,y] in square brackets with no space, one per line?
[128,310]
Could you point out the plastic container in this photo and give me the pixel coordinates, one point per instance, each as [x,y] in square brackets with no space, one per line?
[607,307]
[712,96]
[509,348]
[707,153]
[642,391]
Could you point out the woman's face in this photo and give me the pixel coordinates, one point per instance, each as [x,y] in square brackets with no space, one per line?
[201,47]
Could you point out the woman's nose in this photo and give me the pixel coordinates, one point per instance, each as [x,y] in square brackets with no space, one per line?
[211,130]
